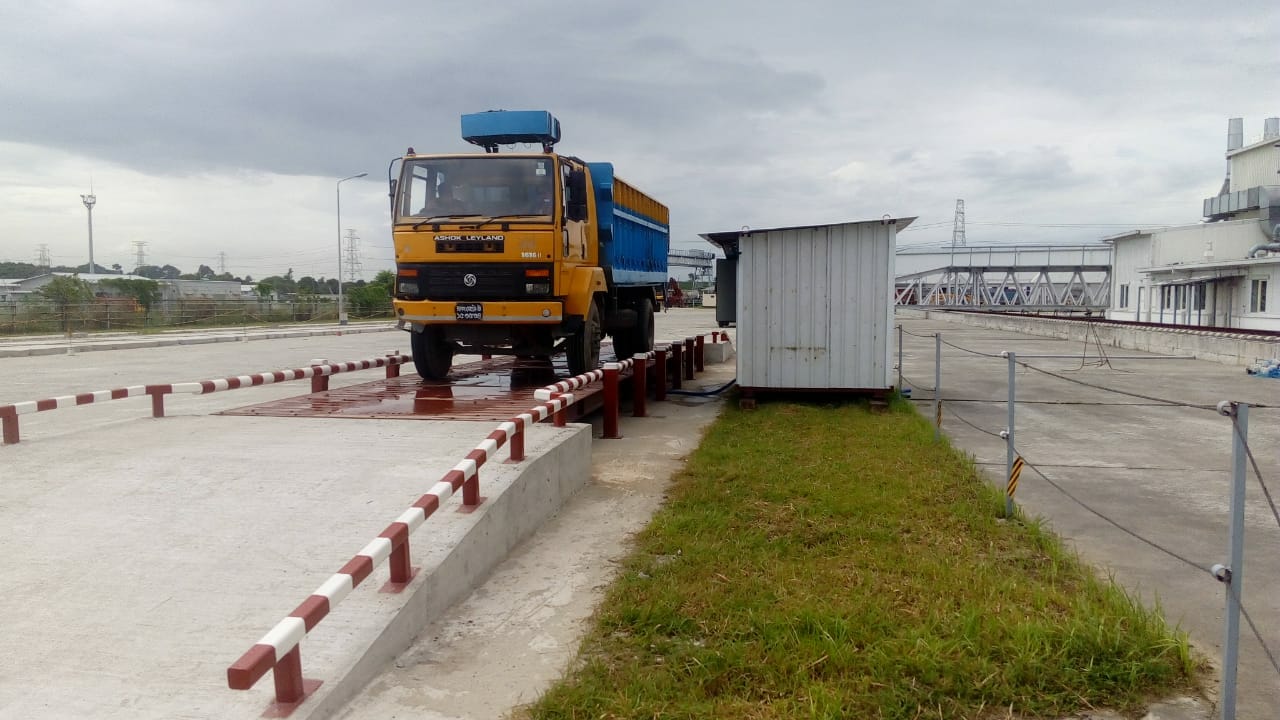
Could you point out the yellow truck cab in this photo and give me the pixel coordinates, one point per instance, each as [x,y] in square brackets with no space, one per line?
[522,253]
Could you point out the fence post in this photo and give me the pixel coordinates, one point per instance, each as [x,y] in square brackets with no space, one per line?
[699,353]
[937,387]
[1233,574]
[393,368]
[688,358]
[611,401]
[639,371]
[659,374]
[319,382]
[1010,452]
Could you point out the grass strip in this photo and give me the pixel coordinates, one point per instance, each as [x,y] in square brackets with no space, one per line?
[834,562]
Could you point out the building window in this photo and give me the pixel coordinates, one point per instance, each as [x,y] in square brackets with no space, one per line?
[1258,296]
[1124,295]
[1166,296]
[1200,296]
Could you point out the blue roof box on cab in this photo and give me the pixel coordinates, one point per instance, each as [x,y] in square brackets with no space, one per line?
[505,127]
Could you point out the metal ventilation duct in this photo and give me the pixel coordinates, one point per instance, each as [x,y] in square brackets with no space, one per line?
[1271,128]
[1235,134]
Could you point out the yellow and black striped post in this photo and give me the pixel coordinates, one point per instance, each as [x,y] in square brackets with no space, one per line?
[1014,472]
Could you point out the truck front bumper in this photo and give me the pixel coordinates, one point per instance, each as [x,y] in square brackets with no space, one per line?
[496,312]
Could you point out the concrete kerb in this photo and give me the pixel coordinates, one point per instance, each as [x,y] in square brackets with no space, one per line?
[1215,346]
[86,344]
[512,513]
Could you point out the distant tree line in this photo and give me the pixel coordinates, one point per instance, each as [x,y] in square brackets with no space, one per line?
[279,285]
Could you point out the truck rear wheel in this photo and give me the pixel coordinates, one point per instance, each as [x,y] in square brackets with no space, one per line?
[644,327]
[582,349]
[432,356]
[638,338]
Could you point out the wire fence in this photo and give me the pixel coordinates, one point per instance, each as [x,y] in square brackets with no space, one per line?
[1182,557]
[123,314]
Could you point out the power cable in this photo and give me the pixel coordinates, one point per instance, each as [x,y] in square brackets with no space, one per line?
[1235,425]
[1254,628]
[1177,403]
[978,352]
[957,416]
[1118,526]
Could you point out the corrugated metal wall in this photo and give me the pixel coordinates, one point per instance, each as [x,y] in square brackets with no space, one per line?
[814,307]
[1255,167]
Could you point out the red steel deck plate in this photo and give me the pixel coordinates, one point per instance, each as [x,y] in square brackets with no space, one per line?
[487,390]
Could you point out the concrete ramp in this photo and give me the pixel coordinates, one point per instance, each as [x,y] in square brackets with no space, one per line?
[159,551]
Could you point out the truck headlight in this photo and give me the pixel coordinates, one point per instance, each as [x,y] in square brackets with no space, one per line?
[406,287]
[540,288]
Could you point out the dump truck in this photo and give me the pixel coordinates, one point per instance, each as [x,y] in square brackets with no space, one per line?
[522,253]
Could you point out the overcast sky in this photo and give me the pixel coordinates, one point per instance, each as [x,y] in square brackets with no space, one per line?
[212,127]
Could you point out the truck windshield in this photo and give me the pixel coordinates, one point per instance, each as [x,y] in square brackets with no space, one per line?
[486,186]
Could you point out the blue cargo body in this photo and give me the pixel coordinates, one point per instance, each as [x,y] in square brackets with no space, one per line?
[633,227]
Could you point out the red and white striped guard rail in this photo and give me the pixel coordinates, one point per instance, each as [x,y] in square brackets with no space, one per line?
[319,371]
[9,413]
[278,650]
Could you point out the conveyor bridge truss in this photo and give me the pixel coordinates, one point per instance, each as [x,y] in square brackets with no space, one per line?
[1009,288]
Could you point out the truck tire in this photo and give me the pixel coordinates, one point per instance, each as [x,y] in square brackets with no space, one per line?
[644,327]
[582,349]
[432,356]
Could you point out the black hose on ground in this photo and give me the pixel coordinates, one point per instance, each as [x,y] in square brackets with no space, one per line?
[705,393]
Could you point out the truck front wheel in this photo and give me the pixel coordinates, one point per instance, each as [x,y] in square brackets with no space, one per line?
[582,349]
[432,356]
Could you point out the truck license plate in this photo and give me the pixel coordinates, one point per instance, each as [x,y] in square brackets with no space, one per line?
[469,311]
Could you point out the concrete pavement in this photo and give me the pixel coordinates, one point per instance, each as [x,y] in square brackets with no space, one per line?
[148,554]
[1161,471]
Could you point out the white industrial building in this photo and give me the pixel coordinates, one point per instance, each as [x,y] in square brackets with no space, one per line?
[1221,272]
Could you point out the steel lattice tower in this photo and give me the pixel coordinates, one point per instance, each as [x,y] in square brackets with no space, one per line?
[957,230]
[141,249]
[353,270]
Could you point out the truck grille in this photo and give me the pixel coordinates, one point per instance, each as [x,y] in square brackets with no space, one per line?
[492,281]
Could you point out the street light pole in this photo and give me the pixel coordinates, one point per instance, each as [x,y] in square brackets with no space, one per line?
[342,317]
[89,201]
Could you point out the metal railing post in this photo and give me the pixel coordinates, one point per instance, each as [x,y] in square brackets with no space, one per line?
[659,374]
[611,401]
[677,359]
[639,371]
[288,677]
[937,387]
[9,422]
[1010,452]
[157,393]
[516,442]
[1233,574]
[557,418]
[319,382]
[699,353]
